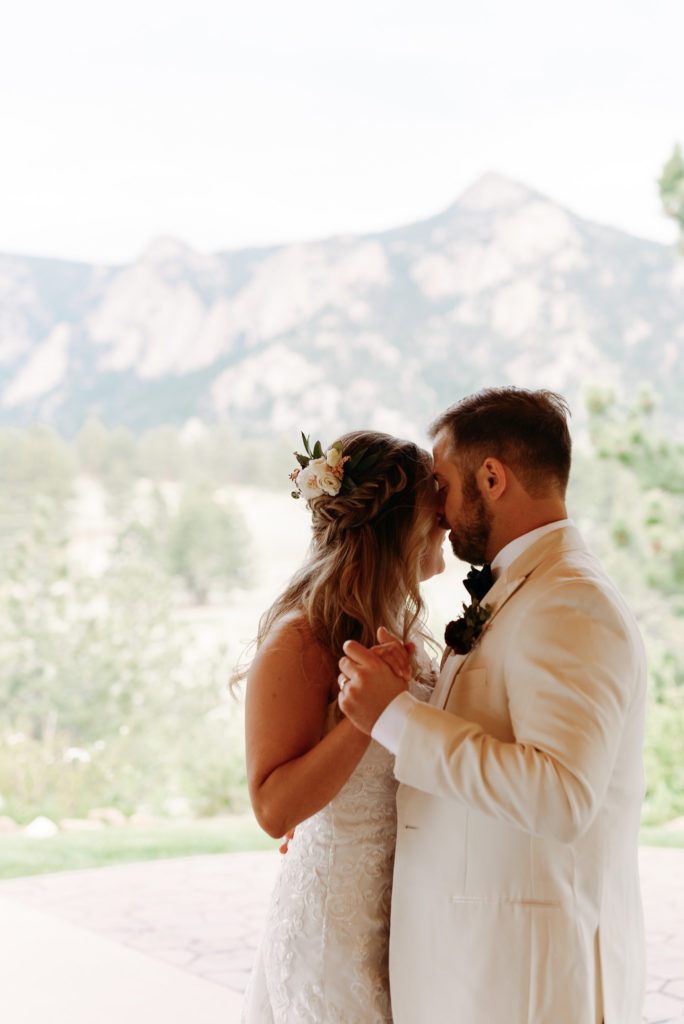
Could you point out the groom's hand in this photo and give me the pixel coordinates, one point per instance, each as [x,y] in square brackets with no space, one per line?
[367,685]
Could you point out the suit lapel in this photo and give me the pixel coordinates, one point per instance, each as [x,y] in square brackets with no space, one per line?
[510,580]
[452,664]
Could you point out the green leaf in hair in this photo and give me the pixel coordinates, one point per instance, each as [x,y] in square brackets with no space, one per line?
[305,441]
[356,458]
[368,462]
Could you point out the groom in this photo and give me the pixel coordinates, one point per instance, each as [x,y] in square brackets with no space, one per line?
[516,894]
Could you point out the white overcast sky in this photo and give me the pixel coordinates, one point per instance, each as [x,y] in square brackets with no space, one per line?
[234,124]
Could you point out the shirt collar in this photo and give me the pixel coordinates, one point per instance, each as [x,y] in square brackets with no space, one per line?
[510,552]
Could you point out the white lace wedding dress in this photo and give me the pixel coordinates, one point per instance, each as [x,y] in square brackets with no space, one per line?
[324,955]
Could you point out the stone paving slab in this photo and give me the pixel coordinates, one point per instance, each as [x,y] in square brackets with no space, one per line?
[54,972]
[202,917]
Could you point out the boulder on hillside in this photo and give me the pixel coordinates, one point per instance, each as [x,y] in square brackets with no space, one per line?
[41,828]
[108,816]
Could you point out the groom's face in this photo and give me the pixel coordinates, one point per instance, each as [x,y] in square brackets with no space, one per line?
[463,509]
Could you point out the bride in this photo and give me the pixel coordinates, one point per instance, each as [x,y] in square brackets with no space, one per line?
[323,958]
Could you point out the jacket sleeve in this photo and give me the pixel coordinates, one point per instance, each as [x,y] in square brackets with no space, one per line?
[571,681]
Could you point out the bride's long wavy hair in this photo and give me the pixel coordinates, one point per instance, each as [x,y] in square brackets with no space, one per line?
[363,565]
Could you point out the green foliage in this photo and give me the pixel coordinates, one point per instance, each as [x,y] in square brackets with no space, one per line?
[207,543]
[161,455]
[101,690]
[637,492]
[663,758]
[70,851]
[216,454]
[117,458]
[650,835]
[647,480]
[107,695]
[35,465]
[671,187]
[110,456]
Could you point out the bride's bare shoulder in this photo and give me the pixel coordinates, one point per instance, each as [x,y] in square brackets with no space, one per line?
[291,629]
[292,639]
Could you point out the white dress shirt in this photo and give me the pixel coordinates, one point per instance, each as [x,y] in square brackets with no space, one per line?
[389,727]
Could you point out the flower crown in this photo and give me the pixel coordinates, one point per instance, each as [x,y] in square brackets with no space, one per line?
[328,473]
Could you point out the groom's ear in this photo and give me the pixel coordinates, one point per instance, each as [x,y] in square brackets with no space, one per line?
[492,478]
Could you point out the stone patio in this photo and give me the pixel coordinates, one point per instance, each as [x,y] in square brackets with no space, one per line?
[182,933]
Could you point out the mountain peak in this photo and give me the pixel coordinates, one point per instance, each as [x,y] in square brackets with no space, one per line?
[493,192]
[506,286]
[165,249]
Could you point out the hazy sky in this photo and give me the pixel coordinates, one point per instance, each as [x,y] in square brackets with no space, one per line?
[232,124]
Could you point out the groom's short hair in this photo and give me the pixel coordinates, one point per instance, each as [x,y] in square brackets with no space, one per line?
[527,430]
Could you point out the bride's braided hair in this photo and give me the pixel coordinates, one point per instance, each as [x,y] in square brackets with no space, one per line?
[361,506]
[363,566]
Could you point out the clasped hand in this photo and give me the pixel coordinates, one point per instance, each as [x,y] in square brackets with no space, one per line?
[370,678]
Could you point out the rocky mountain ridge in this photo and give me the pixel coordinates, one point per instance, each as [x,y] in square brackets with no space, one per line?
[504,286]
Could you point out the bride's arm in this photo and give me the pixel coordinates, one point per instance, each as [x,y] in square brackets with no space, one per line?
[291,771]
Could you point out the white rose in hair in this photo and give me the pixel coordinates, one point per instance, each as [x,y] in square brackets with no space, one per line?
[333,456]
[308,482]
[328,482]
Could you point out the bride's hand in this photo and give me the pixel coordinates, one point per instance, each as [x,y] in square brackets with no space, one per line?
[286,841]
[394,653]
[367,685]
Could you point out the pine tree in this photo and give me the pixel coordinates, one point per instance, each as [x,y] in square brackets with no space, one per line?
[671,186]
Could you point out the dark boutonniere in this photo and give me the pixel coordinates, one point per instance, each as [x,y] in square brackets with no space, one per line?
[462,634]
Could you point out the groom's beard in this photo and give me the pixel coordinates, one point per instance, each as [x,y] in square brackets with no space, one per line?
[470,535]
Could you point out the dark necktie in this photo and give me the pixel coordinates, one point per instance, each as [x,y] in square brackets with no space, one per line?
[479,581]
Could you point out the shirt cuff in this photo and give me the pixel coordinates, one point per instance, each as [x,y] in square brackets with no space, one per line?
[389,727]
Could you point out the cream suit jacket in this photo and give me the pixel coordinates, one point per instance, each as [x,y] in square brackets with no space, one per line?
[516,893]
